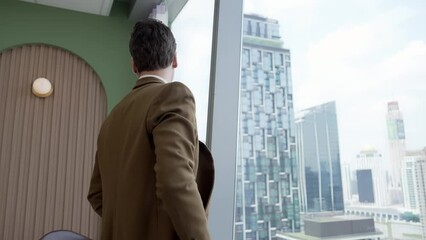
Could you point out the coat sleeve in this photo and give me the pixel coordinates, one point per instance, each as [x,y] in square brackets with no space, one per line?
[171,122]
[95,189]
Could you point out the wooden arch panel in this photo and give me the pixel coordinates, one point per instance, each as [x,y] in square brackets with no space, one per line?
[47,145]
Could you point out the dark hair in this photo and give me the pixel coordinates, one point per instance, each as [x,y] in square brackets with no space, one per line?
[152,45]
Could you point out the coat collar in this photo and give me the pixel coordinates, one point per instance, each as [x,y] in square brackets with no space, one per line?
[147,80]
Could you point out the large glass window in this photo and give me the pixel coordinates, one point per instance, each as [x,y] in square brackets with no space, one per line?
[330,84]
[193,30]
[320,84]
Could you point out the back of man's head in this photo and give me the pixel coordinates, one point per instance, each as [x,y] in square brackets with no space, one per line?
[152,45]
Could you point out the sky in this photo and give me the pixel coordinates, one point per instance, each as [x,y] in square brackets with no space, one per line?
[359,53]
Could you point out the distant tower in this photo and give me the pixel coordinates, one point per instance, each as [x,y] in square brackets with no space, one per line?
[371,178]
[396,137]
[318,154]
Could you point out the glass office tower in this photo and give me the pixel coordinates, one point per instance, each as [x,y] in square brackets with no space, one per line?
[319,159]
[267,189]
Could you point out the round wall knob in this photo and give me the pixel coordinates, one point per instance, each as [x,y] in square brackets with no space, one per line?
[42,87]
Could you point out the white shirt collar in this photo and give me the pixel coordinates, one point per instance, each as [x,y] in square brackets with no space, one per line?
[154,76]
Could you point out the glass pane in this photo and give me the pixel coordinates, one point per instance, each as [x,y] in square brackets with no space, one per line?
[193,29]
[332,119]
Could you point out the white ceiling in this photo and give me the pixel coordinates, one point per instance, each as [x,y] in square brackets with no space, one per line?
[139,9]
[100,7]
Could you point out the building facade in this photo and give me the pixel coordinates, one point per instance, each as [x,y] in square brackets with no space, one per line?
[371,178]
[319,159]
[396,139]
[267,189]
[420,174]
[411,179]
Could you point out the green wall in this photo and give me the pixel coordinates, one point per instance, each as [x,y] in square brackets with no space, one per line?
[101,41]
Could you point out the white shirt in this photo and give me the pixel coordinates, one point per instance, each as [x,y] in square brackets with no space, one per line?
[154,76]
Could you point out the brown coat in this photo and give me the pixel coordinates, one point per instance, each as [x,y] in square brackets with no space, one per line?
[144,183]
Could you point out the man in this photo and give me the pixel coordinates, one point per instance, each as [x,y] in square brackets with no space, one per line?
[144,180]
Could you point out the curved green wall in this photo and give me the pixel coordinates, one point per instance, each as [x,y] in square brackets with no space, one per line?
[101,41]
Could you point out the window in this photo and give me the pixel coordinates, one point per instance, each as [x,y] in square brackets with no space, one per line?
[279,58]
[258,56]
[267,61]
[258,30]
[317,65]
[246,58]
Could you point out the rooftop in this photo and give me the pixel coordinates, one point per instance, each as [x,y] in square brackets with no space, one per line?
[303,236]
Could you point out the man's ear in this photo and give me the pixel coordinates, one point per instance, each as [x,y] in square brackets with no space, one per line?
[133,65]
[174,63]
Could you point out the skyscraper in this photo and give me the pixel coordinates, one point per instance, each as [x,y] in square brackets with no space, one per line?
[421,189]
[371,178]
[410,179]
[420,186]
[267,189]
[396,137]
[319,159]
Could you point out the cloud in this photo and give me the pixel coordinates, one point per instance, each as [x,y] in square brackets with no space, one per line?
[405,66]
[348,61]
[283,10]
[362,66]
[272,7]
[400,77]
[329,70]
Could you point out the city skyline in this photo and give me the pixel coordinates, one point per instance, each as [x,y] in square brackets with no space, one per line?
[338,55]
[360,54]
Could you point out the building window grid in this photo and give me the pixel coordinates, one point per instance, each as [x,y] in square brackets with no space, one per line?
[257,29]
[267,114]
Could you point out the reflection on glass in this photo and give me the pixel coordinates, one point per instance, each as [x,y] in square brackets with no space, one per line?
[318,155]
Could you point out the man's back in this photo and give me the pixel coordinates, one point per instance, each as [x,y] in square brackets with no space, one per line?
[143,183]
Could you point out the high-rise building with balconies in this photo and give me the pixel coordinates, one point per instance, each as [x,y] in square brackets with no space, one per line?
[267,188]
[414,183]
[410,181]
